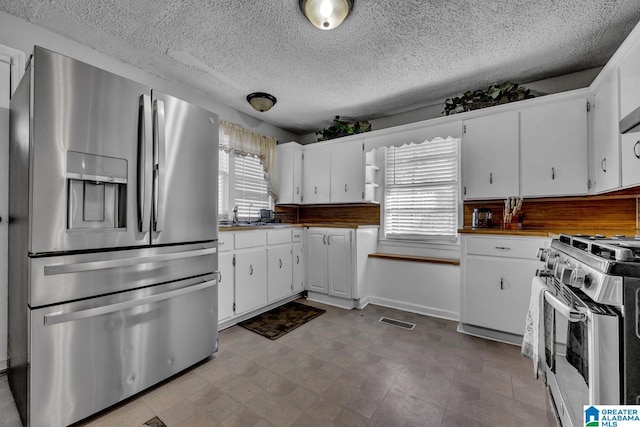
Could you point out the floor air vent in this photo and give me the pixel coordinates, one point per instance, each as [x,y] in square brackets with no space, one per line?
[398,323]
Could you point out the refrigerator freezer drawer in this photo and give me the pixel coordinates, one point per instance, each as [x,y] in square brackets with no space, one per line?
[57,279]
[91,354]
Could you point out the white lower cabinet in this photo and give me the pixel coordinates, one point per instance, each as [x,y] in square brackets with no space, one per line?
[280,273]
[258,268]
[226,287]
[336,260]
[251,280]
[496,281]
[298,267]
[330,263]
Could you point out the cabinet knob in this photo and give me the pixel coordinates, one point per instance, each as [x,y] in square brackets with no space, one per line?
[490,178]
[297,259]
[501,283]
[315,190]
[345,188]
[280,263]
[250,270]
[553,173]
[297,190]
[603,165]
[636,149]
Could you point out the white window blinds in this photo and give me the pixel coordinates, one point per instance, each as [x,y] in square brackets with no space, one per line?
[223,184]
[421,190]
[251,190]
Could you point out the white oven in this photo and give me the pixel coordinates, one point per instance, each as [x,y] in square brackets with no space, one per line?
[581,352]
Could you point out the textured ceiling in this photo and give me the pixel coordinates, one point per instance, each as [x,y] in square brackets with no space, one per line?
[389,56]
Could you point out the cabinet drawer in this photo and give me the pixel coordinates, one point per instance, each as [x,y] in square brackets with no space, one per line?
[296,235]
[225,242]
[277,237]
[505,247]
[250,239]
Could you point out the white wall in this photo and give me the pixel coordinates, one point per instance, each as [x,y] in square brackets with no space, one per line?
[420,287]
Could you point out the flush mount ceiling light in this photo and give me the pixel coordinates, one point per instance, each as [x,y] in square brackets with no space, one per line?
[326,14]
[261,101]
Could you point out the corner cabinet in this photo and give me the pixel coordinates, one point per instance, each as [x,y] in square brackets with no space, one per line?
[337,274]
[490,156]
[290,157]
[553,147]
[496,274]
[606,136]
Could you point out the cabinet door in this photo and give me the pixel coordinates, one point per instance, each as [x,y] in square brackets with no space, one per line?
[339,263]
[490,156]
[554,146]
[497,292]
[316,175]
[630,81]
[225,286]
[630,150]
[279,272]
[297,175]
[251,280]
[347,173]
[315,241]
[606,136]
[289,173]
[298,268]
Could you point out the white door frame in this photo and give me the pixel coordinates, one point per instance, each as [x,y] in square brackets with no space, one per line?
[16,59]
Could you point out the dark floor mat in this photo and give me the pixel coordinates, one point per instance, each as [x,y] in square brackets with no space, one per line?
[277,322]
[155,422]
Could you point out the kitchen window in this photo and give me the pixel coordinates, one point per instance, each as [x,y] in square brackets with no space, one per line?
[243,175]
[242,183]
[421,191]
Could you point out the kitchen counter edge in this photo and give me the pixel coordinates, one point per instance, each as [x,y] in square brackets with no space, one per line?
[226,228]
[544,232]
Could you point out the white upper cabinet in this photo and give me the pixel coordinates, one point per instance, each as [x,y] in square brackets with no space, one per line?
[630,81]
[490,156]
[605,166]
[290,173]
[347,173]
[630,150]
[316,174]
[554,144]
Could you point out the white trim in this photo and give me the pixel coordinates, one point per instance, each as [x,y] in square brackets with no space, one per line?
[415,308]
[16,59]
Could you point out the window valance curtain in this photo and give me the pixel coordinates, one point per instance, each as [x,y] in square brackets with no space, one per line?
[242,142]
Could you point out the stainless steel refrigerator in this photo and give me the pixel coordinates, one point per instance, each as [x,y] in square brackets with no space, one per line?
[112,239]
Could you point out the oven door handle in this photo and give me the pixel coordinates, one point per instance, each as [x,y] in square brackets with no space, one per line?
[56,318]
[572,314]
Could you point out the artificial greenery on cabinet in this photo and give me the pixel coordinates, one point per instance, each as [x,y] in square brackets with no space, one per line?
[342,128]
[495,94]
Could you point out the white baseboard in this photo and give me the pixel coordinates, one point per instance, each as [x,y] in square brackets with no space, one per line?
[347,304]
[362,303]
[415,308]
[490,334]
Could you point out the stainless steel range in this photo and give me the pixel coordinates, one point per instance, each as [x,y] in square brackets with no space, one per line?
[591,322]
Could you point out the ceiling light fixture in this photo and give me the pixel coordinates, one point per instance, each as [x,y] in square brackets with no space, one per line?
[261,101]
[326,14]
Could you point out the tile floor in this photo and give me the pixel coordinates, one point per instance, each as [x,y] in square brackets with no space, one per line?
[345,368]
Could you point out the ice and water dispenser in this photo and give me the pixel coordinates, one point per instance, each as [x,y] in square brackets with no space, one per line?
[97,192]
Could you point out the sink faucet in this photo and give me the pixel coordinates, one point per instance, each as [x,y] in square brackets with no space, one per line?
[235,214]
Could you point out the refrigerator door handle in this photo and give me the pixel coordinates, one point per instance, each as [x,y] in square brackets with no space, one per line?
[144,163]
[159,165]
[56,318]
[53,269]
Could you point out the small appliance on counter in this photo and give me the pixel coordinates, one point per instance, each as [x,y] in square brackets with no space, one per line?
[481,218]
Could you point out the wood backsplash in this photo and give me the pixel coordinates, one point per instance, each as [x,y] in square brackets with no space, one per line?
[613,211]
[363,214]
